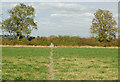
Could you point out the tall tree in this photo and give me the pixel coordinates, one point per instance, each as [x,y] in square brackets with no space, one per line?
[104,26]
[21,20]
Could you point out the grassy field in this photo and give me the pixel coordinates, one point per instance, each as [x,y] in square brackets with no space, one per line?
[85,63]
[25,63]
[32,63]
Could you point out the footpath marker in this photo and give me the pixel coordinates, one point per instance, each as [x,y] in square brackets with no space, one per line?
[51,45]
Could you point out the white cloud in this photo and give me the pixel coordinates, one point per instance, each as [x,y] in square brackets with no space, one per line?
[88,14]
[44,23]
[116,15]
[12,5]
[65,15]
[61,15]
[62,6]
[71,15]
[88,20]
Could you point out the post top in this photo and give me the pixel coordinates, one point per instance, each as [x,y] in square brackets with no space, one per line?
[51,45]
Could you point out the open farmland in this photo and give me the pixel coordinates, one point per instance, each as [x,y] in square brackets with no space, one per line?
[25,63]
[32,63]
[85,63]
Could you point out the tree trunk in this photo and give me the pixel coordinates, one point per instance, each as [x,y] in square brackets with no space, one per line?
[18,36]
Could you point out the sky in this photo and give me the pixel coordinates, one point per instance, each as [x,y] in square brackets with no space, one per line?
[63,18]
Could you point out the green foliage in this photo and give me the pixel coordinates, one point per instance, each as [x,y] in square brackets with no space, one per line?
[7,41]
[104,26]
[21,20]
[59,41]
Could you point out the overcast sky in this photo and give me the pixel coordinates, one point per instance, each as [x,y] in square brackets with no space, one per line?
[64,18]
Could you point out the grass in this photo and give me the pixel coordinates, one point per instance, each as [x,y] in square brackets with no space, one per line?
[28,63]
[85,64]
[23,63]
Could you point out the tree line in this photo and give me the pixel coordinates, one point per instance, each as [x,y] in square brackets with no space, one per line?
[21,23]
[60,41]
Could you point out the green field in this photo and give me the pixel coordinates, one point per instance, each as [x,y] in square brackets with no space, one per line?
[32,63]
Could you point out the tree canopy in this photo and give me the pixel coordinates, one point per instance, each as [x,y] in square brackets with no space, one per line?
[21,20]
[104,26]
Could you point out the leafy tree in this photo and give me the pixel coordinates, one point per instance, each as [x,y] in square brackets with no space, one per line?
[21,20]
[104,26]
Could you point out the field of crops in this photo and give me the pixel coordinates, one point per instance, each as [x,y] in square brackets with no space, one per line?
[32,63]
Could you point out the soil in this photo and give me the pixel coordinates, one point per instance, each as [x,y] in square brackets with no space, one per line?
[57,46]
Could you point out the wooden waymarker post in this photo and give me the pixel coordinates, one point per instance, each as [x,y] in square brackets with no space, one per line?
[52,46]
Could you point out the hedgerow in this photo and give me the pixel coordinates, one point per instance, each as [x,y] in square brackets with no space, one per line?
[59,41]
